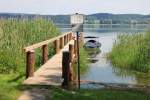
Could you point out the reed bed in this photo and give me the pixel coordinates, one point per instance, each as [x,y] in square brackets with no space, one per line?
[132,51]
[18,33]
[15,34]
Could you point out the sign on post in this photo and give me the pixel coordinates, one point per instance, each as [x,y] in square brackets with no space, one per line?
[77,21]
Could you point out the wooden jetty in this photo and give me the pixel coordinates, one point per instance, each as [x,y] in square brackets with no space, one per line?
[56,70]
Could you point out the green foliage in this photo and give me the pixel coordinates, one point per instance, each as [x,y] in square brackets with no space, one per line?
[85,94]
[132,52]
[83,60]
[9,84]
[16,34]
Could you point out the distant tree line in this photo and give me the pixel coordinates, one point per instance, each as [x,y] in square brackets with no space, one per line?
[100,18]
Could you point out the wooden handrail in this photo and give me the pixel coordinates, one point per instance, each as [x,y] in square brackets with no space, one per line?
[37,45]
[30,54]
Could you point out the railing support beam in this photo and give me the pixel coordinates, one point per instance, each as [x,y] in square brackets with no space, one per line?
[57,47]
[65,39]
[61,42]
[30,55]
[66,68]
[44,53]
[75,47]
[71,50]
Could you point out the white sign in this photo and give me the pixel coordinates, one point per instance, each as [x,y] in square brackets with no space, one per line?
[77,19]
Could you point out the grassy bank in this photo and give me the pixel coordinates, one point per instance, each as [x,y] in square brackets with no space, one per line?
[132,52]
[9,87]
[84,94]
[14,35]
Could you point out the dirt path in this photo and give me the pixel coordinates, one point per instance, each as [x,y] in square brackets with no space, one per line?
[35,94]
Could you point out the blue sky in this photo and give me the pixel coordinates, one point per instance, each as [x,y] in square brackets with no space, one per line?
[72,6]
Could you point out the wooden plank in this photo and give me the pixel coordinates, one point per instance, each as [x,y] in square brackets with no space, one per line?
[51,72]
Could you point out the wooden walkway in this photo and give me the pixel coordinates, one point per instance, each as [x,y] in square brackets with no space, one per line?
[51,72]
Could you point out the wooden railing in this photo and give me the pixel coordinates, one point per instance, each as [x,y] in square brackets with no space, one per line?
[68,60]
[59,43]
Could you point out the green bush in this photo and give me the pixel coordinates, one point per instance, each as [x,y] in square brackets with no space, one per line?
[132,52]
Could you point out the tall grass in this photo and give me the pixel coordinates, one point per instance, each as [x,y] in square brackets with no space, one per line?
[16,34]
[132,52]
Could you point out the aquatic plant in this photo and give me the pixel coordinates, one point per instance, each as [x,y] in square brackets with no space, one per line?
[132,52]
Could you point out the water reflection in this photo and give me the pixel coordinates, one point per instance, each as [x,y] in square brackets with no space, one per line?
[93,52]
[140,78]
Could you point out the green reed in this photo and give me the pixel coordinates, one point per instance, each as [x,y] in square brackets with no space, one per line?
[132,52]
[18,33]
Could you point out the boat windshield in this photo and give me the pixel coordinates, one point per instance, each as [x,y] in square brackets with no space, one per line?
[91,37]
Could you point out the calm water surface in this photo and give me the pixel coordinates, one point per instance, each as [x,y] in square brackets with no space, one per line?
[103,70]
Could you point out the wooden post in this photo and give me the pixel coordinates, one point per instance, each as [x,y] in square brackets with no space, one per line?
[75,47]
[71,50]
[44,53]
[61,42]
[81,37]
[30,63]
[66,68]
[56,44]
[65,40]
[70,36]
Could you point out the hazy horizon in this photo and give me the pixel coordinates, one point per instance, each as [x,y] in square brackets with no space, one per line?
[71,13]
[64,7]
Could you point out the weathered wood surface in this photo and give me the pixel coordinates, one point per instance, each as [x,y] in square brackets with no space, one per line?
[51,72]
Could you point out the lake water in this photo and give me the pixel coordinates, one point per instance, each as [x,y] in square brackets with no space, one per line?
[102,70]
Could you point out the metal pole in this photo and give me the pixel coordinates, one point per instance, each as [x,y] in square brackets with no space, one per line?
[78,55]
